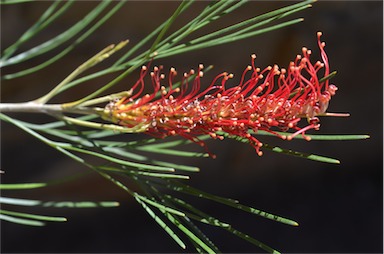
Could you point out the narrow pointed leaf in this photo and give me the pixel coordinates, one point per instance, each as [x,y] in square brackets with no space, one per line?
[252,240]
[308,156]
[122,162]
[180,187]
[34,216]
[58,40]
[19,201]
[190,234]
[143,173]
[162,224]
[82,204]
[318,136]
[21,221]
[21,186]
[45,20]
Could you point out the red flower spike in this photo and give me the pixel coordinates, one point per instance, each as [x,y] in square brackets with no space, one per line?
[269,99]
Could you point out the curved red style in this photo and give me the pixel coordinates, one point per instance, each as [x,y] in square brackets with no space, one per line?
[269,99]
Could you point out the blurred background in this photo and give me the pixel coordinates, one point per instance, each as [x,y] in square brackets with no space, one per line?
[339,207]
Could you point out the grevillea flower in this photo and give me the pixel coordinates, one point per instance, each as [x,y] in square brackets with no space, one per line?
[270,99]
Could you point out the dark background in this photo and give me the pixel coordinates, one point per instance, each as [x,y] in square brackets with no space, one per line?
[339,207]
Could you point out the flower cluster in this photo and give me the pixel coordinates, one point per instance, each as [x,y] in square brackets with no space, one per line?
[269,99]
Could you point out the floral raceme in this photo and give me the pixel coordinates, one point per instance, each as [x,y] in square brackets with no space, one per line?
[266,99]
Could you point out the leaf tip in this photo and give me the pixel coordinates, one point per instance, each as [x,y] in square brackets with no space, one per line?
[109,204]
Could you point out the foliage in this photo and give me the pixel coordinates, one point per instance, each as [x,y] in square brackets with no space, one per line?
[162,183]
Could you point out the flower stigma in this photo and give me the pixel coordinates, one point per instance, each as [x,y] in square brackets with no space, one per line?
[270,99]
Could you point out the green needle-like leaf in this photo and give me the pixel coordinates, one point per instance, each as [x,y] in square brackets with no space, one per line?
[318,136]
[215,222]
[165,199]
[180,187]
[119,161]
[82,204]
[246,25]
[167,25]
[66,50]
[287,151]
[308,156]
[186,48]
[45,20]
[109,203]
[159,206]
[143,158]
[162,224]
[15,1]
[252,240]
[143,173]
[202,217]
[172,152]
[19,201]
[209,14]
[37,67]
[201,235]
[58,40]
[21,221]
[111,153]
[33,216]
[136,195]
[190,234]
[21,186]
[331,75]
